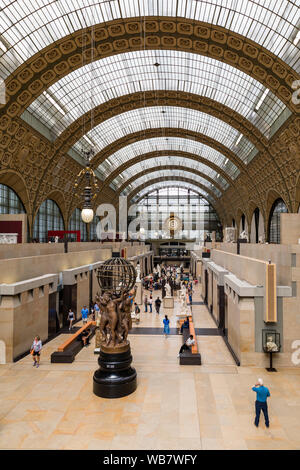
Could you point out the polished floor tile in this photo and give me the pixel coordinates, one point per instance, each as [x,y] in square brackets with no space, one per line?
[174,407]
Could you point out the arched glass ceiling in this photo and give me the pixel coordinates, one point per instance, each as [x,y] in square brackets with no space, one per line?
[170,184]
[168,116]
[133,72]
[157,162]
[166,174]
[29,26]
[167,144]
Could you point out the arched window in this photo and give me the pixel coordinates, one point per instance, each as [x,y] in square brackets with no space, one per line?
[243,222]
[10,203]
[256,221]
[274,220]
[93,227]
[48,217]
[76,223]
[233,222]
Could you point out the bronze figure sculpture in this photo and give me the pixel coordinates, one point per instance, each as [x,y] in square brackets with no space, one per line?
[115,378]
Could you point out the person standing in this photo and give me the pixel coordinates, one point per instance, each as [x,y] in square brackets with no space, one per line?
[84,314]
[166,323]
[157,304]
[145,303]
[150,303]
[262,393]
[71,319]
[96,311]
[36,350]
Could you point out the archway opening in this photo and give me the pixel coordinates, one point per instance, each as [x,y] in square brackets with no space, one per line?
[48,217]
[278,208]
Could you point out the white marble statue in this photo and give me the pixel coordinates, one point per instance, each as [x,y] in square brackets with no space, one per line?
[168,290]
[8,237]
[182,299]
[270,345]
[138,273]
[158,269]
[243,235]
[230,234]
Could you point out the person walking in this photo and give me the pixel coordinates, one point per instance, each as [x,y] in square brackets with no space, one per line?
[150,303]
[146,303]
[157,304]
[70,318]
[84,314]
[166,323]
[36,351]
[262,393]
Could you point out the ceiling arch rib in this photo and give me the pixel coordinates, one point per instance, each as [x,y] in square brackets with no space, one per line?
[29,27]
[131,72]
[145,176]
[164,143]
[209,195]
[136,101]
[149,189]
[190,184]
[53,62]
[184,158]
[181,185]
[163,163]
[167,117]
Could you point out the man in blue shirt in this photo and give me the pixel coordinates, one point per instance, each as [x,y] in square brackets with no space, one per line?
[84,314]
[262,393]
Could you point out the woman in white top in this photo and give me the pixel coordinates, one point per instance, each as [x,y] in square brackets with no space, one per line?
[150,303]
[71,318]
[36,351]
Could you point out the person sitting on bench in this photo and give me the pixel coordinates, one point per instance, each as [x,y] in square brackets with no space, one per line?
[185,324]
[187,345]
[85,337]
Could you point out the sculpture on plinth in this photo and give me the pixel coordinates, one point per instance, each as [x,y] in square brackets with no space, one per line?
[168,290]
[182,298]
[243,235]
[115,377]
[158,269]
[230,235]
[138,273]
[270,345]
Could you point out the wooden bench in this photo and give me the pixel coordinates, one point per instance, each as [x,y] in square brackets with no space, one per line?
[67,351]
[192,356]
[181,320]
[67,343]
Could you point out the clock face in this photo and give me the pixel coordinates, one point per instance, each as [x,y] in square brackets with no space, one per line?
[173,224]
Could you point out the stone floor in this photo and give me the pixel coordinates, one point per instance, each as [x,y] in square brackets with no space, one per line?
[174,407]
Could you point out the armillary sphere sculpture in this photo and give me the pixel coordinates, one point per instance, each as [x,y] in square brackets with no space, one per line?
[115,378]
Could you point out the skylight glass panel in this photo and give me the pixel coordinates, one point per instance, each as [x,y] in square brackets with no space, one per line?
[165,174]
[163,117]
[168,144]
[119,182]
[156,162]
[170,184]
[132,72]
[18,15]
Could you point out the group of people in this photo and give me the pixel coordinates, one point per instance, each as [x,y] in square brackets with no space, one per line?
[149,303]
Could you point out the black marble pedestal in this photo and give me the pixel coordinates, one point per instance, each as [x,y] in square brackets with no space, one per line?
[115,378]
